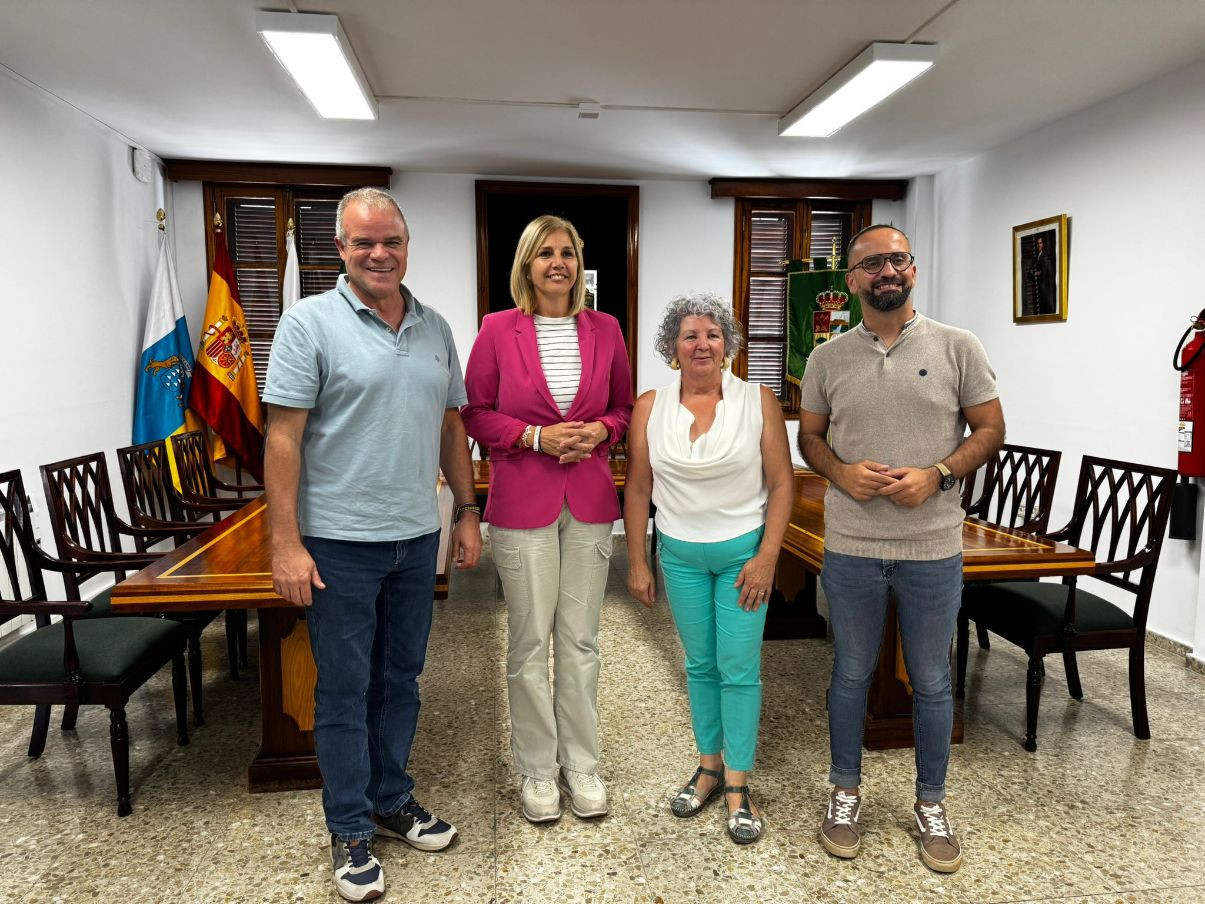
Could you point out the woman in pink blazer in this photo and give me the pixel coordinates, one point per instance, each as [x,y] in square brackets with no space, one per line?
[550,392]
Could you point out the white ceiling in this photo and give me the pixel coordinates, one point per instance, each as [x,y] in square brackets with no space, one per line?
[476,86]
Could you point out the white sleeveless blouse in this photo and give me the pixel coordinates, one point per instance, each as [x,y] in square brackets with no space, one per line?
[714,488]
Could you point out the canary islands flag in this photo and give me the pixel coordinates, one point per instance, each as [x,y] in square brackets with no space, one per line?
[223,390]
[165,369]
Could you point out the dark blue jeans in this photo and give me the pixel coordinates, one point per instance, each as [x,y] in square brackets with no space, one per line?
[368,631]
[927,597]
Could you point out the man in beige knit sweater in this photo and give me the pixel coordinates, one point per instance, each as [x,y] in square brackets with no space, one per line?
[885,409]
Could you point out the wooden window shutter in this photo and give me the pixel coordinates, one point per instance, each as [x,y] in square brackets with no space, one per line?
[827,225]
[252,238]
[314,235]
[771,240]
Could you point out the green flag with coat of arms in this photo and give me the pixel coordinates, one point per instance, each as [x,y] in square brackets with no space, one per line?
[819,307]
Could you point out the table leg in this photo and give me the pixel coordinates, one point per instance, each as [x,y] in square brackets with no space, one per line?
[792,613]
[286,760]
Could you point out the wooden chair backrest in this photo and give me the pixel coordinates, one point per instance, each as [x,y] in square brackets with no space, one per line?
[1017,488]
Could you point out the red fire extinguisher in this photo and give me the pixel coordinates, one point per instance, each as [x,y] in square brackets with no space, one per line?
[1188,360]
[1191,365]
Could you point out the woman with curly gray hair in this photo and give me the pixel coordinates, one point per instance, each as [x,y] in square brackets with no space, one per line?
[711,451]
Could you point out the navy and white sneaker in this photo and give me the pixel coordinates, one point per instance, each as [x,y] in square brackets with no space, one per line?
[358,874]
[415,826]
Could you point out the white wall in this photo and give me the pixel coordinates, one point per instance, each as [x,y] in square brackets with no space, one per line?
[77,262]
[1101,383]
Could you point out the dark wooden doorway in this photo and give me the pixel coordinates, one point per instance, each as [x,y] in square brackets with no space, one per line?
[606,216]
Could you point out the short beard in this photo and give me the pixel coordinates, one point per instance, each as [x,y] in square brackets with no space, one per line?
[887,301]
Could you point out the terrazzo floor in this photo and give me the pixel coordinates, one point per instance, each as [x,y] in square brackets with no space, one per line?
[1095,816]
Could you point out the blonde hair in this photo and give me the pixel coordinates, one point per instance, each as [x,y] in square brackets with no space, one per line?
[533,237]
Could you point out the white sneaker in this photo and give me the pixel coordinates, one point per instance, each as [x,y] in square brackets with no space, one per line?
[587,793]
[358,874]
[541,800]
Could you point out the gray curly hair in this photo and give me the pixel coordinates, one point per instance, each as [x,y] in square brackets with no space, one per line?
[697,304]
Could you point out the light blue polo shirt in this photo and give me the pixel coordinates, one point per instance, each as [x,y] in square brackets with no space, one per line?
[370,452]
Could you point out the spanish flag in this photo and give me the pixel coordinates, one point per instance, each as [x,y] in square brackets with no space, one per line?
[223,390]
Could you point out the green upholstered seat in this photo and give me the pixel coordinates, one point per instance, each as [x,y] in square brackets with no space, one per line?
[109,649]
[101,607]
[1019,609]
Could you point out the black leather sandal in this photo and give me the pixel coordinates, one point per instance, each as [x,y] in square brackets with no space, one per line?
[743,826]
[687,801]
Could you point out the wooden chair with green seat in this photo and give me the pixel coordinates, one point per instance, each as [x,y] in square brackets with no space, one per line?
[1120,514]
[78,660]
[89,534]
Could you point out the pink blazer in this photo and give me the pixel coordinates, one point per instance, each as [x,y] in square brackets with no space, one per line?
[507,391]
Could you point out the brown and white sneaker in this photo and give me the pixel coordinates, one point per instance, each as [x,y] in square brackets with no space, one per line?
[839,832]
[939,849]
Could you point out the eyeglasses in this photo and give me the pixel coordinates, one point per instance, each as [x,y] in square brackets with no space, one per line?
[873,263]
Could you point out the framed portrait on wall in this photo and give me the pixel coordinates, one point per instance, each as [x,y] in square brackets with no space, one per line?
[591,277]
[1040,271]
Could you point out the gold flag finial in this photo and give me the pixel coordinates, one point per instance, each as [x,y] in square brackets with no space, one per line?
[217,220]
[161,216]
[834,258]
[289,226]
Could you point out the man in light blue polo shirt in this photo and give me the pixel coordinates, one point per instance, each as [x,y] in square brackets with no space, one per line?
[363,389]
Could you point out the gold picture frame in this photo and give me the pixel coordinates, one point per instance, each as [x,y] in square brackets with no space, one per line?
[1040,271]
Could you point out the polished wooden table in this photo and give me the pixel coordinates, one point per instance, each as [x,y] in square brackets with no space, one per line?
[989,553]
[227,567]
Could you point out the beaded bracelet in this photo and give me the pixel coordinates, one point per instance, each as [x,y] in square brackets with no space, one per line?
[467,507]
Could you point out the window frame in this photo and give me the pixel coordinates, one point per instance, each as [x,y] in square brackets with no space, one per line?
[284,200]
[286,183]
[799,244]
[800,197]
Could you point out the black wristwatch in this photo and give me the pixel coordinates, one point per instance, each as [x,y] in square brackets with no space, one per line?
[947,479]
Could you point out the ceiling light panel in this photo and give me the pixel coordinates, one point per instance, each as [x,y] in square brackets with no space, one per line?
[866,81]
[315,52]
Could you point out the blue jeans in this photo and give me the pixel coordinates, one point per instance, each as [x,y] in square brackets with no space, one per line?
[927,598]
[368,632]
[722,642]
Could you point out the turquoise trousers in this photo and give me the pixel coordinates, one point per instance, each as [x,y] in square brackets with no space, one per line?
[722,642]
